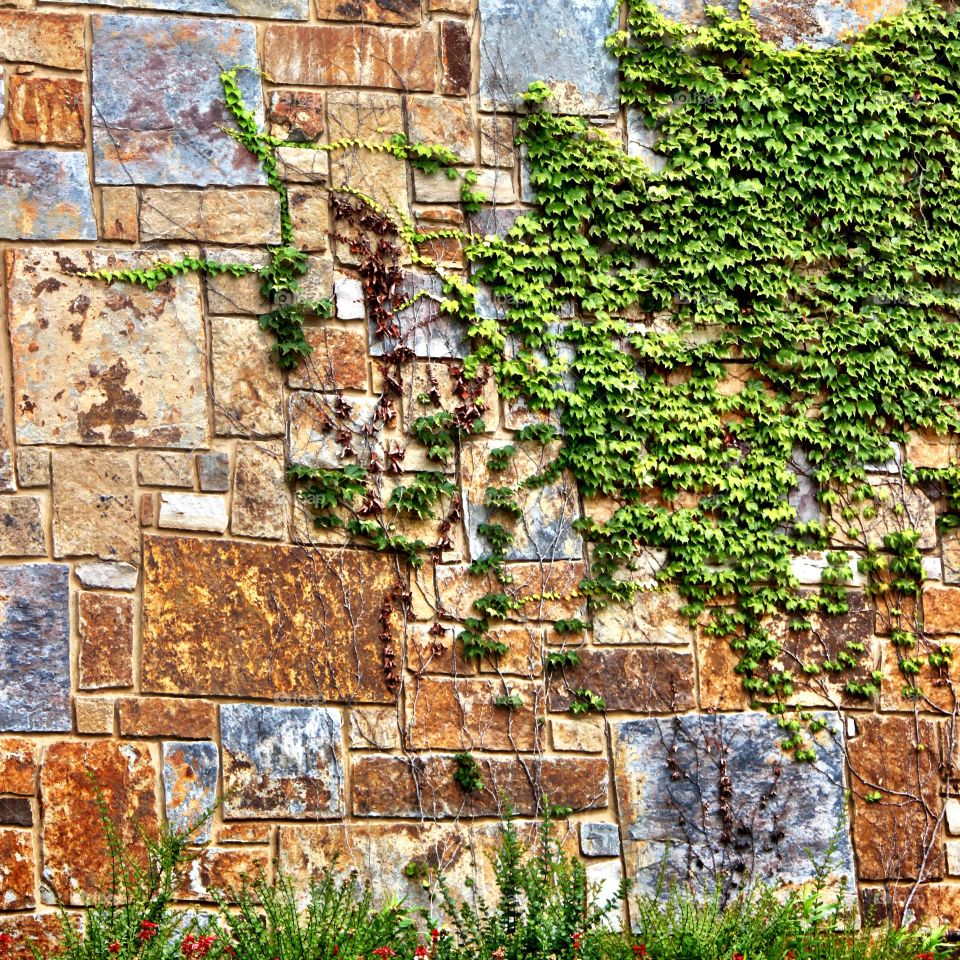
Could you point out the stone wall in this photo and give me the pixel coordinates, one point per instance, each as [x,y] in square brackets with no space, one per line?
[170,618]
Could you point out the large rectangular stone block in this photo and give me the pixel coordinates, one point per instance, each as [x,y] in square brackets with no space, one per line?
[45,195]
[35,648]
[91,359]
[258,620]
[261,9]
[51,39]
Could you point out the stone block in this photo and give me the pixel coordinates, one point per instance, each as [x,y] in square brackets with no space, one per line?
[578,734]
[941,609]
[348,298]
[288,620]
[95,716]
[214,471]
[310,216]
[297,114]
[75,862]
[403,13]
[951,809]
[16,811]
[35,648]
[653,617]
[18,766]
[229,295]
[456,57]
[45,195]
[105,624]
[156,469]
[217,869]
[46,110]
[496,185]
[111,345]
[599,839]
[496,142]
[33,467]
[93,506]
[247,383]
[429,386]
[560,43]
[171,130]
[721,687]
[818,23]
[524,656]
[450,122]
[299,164]
[245,833]
[284,762]
[374,728]
[190,774]
[147,509]
[214,215]
[334,55]
[16,869]
[338,361]
[21,527]
[193,511]
[734,781]
[180,719]
[430,651]
[121,213]
[261,497]
[260,9]
[319,437]
[107,576]
[897,507]
[632,679]
[49,39]
[40,931]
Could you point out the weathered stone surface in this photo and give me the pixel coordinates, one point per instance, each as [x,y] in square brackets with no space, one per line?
[318,438]
[456,55]
[547,591]
[820,23]
[46,110]
[653,617]
[45,195]
[429,386]
[35,648]
[430,651]
[338,361]
[450,122]
[93,507]
[461,714]
[214,471]
[170,131]
[423,786]
[272,9]
[110,345]
[21,527]
[544,529]
[182,719]
[18,766]
[156,469]
[212,215]
[217,869]
[246,619]
[51,39]
[245,833]
[107,576]
[782,816]
[300,165]
[230,295]
[348,298]
[16,811]
[599,839]
[351,56]
[247,383]
[106,641]
[147,509]
[578,734]
[281,761]
[404,13]
[16,870]
[297,114]
[309,216]
[193,511]
[898,507]
[75,864]
[373,117]
[95,716]
[374,728]
[190,773]
[496,142]
[561,43]
[941,609]
[892,834]
[31,930]
[524,656]
[634,679]
[261,501]
[121,213]
[33,467]
[496,185]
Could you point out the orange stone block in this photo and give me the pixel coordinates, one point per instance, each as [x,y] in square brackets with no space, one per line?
[46,110]
[18,766]
[16,869]
[106,641]
[167,717]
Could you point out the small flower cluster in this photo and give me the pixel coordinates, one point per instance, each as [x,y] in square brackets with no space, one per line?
[197,946]
[6,942]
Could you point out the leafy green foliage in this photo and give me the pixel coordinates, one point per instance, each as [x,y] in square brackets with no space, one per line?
[558,659]
[325,490]
[586,701]
[468,773]
[418,498]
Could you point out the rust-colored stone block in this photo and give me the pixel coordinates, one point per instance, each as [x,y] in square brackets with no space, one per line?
[298,114]
[18,766]
[46,110]
[106,641]
[405,13]
[75,861]
[338,361]
[51,39]
[423,785]
[245,833]
[257,620]
[16,870]
[147,509]
[226,869]
[457,58]
[461,714]
[167,717]
[896,757]
[450,122]
[39,931]
[941,609]
[433,649]
[636,680]
[121,213]
[721,688]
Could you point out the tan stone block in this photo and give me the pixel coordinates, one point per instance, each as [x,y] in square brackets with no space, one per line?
[926,449]
[148,509]
[405,13]
[338,360]
[52,39]
[936,688]
[310,216]
[303,165]
[16,869]
[121,213]
[94,716]
[167,717]
[524,656]
[653,617]
[374,728]
[193,511]
[210,215]
[18,766]
[247,384]
[578,734]
[46,110]
[261,499]
[371,117]
[456,55]
[259,833]
[934,904]
[215,869]
[941,609]
[289,620]
[75,862]
[155,469]
[431,385]
[229,295]
[895,508]
[721,687]
[297,114]
[448,122]
[93,506]
[495,184]
[33,467]
[21,527]
[463,7]
[434,649]
[496,142]
[106,641]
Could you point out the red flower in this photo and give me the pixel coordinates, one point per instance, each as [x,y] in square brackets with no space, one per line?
[336,950]
[640,950]
[384,953]
[576,938]
[148,930]
[114,947]
[434,934]
[6,941]
[738,956]
[925,956]
[420,952]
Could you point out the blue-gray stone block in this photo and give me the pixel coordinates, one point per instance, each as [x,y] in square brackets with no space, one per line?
[265,9]
[599,839]
[35,648]
[190,774]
